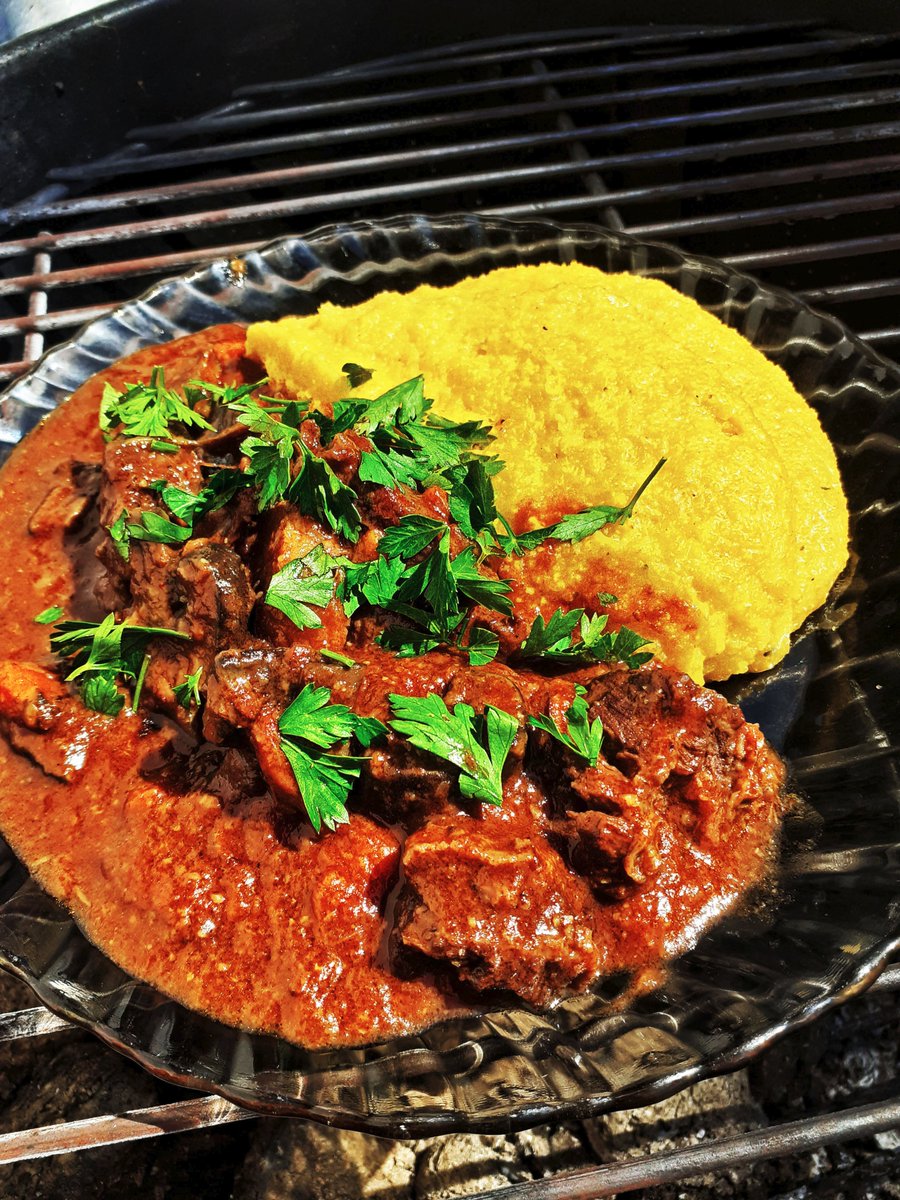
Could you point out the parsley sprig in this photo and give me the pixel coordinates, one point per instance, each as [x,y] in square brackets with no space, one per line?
[478,745]
[146,410]
[300,583]
[581,735]
[437,593]
[188,508]
[100,654]
[572,638]
[187,692]
[311,728]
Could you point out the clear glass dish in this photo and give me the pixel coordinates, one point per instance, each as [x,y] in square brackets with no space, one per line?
[832,916]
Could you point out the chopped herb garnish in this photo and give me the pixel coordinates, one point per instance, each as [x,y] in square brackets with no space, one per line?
[300,583]
[558,641]
[575,527]
[356,375]
[146,409]
[344,659]
[374,583]
[48,616]
[310,727]
[410,536]
[369,730]
[99,692]
[319,494]
[436,592]
[222,486]
[188,691]
[110,649]
[478,745]
[581,736]
[482,646]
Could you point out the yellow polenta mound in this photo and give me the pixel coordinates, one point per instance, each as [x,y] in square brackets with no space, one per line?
[588,379]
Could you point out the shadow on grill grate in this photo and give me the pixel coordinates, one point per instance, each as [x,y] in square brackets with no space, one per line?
[775,147]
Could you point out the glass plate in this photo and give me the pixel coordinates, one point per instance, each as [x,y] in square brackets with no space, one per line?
[833,708]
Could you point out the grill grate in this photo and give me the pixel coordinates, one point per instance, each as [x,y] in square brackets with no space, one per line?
[775,147]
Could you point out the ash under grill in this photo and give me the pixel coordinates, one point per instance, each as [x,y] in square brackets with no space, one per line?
[773,147]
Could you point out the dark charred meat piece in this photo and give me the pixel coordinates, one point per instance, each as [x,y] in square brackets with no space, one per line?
[130,468]
[501,906]
[211,600]
[666,730]
[676,758]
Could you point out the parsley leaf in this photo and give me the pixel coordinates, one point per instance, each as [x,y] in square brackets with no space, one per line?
[356,375]
[301,582]
[188,691]
[221,487]
[581,736]
[344,659]
[410,536]
[109,649]
[49,615]
[319,494]
[410,643]
[556,641]
[554,637]
[310,726]
[312,717]
[375,582]
[369,730]
[482,646]
[478,588]
[146,409]
[477,745]
[99,692]
[575,527]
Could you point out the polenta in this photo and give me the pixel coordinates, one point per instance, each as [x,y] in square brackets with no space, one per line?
[588,379]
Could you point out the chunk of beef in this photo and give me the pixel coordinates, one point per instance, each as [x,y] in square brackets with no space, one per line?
[61,509]
[675,757]
[242,680]
[665,730]
[499,905]
[285,535]
[142,582]
[211,598]
[41,720]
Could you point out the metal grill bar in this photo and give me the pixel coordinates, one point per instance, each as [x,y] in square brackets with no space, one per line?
[867,290]
[431,123]
[30,1022]
[121,269]
[201,1112]
[421,155]
[297,206]
[815,252]
[482,87]
[675,1165]
[547,47]
[624,35]
[776,214]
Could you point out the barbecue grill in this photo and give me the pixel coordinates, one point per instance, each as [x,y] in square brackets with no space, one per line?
[775,147]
